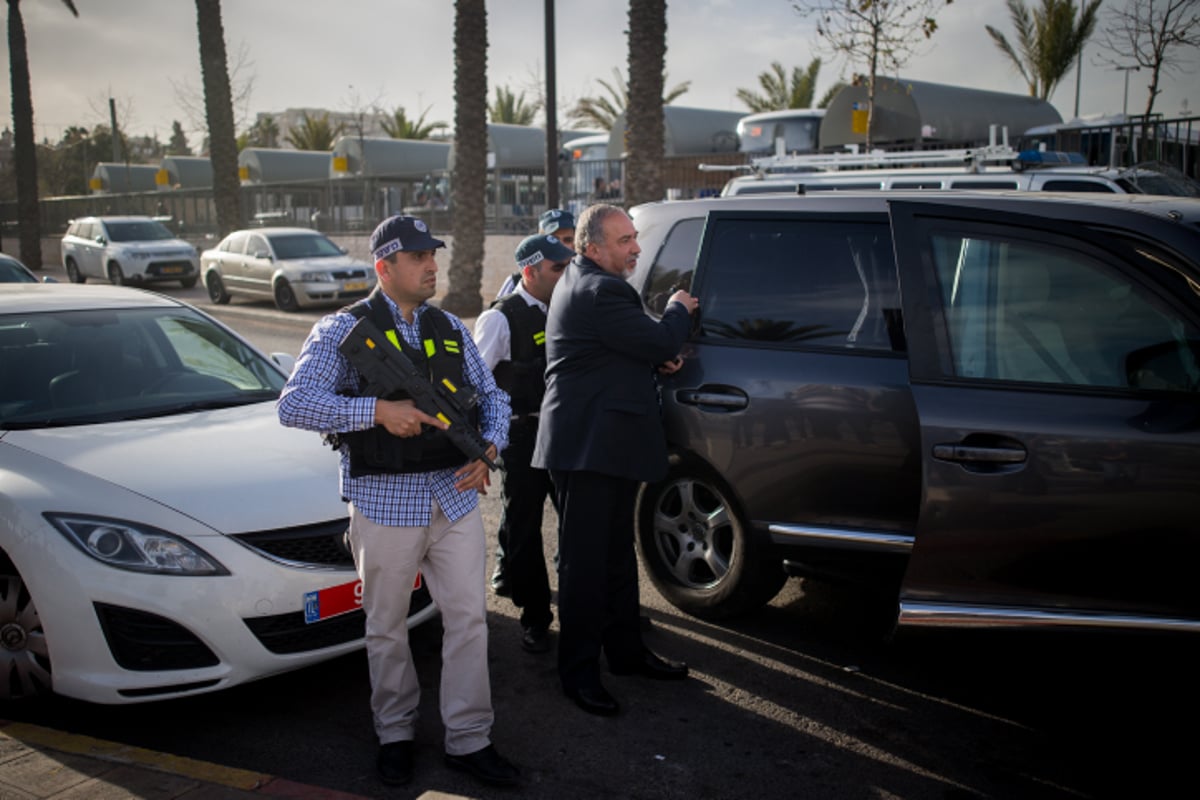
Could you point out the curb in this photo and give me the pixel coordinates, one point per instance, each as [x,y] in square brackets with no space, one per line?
[22,743]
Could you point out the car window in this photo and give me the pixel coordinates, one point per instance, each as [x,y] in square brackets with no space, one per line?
[673,265]
[303,245]
[235,243]
[808,282]
[1076,185]
[988,184]
[86,230]
[14,272]
[146,230]
[257,244]
[1034,311]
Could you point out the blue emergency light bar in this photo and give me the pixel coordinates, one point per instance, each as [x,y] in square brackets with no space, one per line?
[1045,158]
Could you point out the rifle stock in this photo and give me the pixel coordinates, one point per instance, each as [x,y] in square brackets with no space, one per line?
[387,369]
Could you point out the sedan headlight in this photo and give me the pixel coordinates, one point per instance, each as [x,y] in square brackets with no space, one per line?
[316,277]
[140,548]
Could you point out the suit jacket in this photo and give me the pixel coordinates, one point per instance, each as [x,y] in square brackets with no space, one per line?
[601,411]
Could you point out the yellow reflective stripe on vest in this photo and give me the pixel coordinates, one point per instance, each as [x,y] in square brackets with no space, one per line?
[451,346]
[539,338]
[430,348]
[394,339]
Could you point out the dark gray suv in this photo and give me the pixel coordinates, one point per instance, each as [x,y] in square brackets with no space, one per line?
[988,404]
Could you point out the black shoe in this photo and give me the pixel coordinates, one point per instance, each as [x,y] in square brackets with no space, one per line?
[395,763]
[535,639]
[486,765]
[653,667]
[596,701]
[500,584]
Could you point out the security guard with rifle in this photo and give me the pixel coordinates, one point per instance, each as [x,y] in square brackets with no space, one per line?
[411,473]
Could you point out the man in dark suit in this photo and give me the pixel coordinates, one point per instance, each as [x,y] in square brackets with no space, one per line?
[600,435]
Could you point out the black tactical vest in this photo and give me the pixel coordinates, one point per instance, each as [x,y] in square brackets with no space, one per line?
[374,451]
[523,376]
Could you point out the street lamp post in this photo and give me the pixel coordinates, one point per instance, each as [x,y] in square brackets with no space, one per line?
[1125,104]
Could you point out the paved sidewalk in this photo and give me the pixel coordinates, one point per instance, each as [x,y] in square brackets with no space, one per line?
[38,762]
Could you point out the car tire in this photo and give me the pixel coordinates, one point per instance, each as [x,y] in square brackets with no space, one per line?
[24,655]
[698,550]
[285,297]
[73,273]
[115,276]
[188,283]
[216,289]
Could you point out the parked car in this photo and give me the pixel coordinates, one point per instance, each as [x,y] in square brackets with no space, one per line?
[295,267]
[161,534]
[1140,179]
[986,404]
[127,251]
[13,271]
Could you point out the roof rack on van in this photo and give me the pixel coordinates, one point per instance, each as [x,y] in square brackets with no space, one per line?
[973,159]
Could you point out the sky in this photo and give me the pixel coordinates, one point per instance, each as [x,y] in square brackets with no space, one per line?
[353,55]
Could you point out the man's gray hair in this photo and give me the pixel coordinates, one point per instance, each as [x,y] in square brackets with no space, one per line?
[590,226]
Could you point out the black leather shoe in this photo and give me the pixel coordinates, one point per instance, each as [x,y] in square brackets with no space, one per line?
[500,584]
[653,667]
[535,639]
[486,765]
[596,701]
[395,763]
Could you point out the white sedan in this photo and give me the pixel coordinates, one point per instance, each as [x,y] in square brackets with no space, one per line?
[295,267]
[161,534]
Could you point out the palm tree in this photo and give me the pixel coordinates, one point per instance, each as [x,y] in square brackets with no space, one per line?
[1049,40]
[263,133]
[24,147]
[601,112]
[399,126]
[511,108]
[778,94]
[218,110]
[644,115]
[314,133]
[469,178]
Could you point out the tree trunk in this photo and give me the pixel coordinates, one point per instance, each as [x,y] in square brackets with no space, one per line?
[218,109]
[469,177]
[24,150]
[644,115]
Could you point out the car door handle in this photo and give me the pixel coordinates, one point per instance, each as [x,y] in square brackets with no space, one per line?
[969,454]
[728,399]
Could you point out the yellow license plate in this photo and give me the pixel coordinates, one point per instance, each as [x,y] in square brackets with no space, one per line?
[172,270]
[354,286]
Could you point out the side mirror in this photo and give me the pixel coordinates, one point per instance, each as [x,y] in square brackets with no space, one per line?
[1170,366]
[285,360]
[101,240]
[263,254]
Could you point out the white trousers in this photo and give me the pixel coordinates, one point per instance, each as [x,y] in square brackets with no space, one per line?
[451,557]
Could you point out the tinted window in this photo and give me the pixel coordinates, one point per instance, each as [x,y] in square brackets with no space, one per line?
[674,264]
[1065,185]
[137,231]
[1033,311]
[843,187]
[303,245]
[983,185]
[800,282]
[916,184]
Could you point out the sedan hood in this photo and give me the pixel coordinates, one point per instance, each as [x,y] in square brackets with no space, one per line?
[235,470]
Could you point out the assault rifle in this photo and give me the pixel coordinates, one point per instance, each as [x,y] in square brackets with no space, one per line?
[388,370]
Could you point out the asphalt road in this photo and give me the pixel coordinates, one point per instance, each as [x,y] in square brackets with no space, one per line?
[806,698]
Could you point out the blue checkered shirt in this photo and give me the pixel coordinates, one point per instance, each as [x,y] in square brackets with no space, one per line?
[311,400]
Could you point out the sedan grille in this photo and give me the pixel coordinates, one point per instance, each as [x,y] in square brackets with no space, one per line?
[319,545]
[146,642]
[347,274]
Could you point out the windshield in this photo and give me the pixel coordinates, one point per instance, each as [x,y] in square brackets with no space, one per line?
[799,135]
[137,231]
[303,245]
[12,272]
[81,367]
[1158,178]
